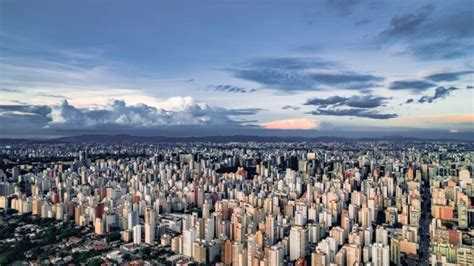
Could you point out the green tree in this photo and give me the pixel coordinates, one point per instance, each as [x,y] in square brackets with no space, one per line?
[95,261]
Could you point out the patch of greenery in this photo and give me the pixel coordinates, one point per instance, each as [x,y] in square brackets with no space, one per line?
[145,253]
[7,231]
[113,236]
[15,252]
[82,257]
[95,262]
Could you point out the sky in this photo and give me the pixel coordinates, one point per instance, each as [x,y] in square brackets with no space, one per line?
[330,67]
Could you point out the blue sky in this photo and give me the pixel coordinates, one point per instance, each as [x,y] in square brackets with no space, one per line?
[316,66]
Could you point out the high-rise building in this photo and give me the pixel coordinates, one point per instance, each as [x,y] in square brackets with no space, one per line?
[149,233]
[381,235]
[380,255]
[226,253]
[137,234]
[462,215]
[365,217]
[251,247]
[341,257]
[99,226]
[276,255]
[270,229]
[209,229]
[199,252]
[189,236]
[150,216]
[206,210]
[395,250]
[465,256]
[237,254]
[299,241]
[132,219]
[354,255]
[318,258]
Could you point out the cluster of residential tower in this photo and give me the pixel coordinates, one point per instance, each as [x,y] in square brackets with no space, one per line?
[370,203]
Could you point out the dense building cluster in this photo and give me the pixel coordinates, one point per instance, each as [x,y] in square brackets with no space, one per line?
[341,203]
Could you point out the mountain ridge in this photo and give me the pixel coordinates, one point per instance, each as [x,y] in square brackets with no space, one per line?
[129,139]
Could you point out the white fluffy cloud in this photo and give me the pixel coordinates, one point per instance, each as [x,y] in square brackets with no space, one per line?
[170,112]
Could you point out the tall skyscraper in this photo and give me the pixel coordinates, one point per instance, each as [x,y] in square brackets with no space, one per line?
[299,242]
[380,255]
[189,236]
[137,234]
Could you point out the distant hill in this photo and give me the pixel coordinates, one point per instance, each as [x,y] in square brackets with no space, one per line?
[123,138]
[129,139]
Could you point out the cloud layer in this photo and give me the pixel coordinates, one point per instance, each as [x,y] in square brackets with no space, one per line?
[449,76]
[365,101]
[407,24]
[432,34]
[411,85]
[232,89]
[355,112]
[290,107]
[440,93]
[171,112]
[431,81]
[303,74]
[356,106]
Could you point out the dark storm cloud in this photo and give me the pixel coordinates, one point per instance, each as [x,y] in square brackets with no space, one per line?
[366,101]
[232,89]
[440,93]
[412,85]
[303,74]
[355,112]
[449,76]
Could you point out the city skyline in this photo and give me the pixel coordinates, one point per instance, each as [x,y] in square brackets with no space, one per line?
[224,68]
[239,203]
[237,133]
